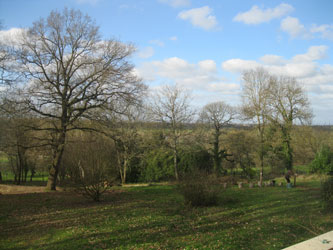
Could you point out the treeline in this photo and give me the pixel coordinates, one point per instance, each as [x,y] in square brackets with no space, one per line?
[136,153]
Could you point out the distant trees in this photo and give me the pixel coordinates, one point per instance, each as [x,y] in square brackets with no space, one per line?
[15,139]
[218,115]
[278,100]
[70,72]
[241,144]
[171,106]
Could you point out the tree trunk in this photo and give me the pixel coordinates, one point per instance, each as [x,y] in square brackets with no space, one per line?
[216,152]
[121,166]
[261,177]
[288,152]
[54,170]
[123,179]
[175,162]
[26,170]
[175,152]
[18,167]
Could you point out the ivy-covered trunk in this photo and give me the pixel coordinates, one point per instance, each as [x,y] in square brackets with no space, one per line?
[175,161]
[287,149]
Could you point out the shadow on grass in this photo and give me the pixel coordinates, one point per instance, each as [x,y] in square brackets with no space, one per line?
[144,217]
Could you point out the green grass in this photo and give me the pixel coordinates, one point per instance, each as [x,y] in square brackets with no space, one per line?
[8,176]
[155,217]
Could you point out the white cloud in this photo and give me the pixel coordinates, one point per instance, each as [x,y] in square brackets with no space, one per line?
[325,30]
[157,42]
[146,52]
[272,60]
[12,36]
[314,53]
[294,28]
[303,66]
[176,3]
[256,15]
[202,76]
[92,2]
[207,65]
[200,17]
[239,65]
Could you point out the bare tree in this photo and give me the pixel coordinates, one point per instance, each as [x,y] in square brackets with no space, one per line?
[70,73]
[218,115]
[122,129]
[15,140]
[255,106]
[289,103]
[171,105]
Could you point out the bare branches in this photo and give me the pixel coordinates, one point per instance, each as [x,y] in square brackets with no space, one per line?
[218,114]
[279,100]
[288,101]
[171,105]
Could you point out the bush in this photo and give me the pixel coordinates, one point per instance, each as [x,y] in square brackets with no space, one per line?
[91,180]
[195,158]
[327,192]
[200,189]
[157,166]
[90,167]
[323,162]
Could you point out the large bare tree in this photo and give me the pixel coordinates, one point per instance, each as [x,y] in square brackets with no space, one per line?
[71,72]
[218,115]
[171,105]
[289,104]
[255,106]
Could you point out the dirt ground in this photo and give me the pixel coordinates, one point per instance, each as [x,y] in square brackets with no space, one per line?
[15,189]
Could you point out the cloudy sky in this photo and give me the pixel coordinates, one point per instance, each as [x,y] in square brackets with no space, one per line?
[206,45]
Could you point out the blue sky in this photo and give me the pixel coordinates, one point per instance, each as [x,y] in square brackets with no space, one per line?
[206,45]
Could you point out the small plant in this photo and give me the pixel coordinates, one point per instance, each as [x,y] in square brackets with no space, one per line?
[91,181]
[200,189]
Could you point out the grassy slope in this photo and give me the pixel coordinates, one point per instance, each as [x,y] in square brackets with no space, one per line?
[155,218]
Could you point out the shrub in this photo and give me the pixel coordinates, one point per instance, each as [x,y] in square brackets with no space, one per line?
[323,162]
[327,192]
[157,166]
[91,180]
[91,169]
[200,189]
[194,158]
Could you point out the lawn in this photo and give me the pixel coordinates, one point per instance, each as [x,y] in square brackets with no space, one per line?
[155,217]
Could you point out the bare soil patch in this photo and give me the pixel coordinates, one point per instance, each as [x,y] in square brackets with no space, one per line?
[16,189]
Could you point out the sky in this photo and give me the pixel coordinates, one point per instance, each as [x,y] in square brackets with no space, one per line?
[205,45]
